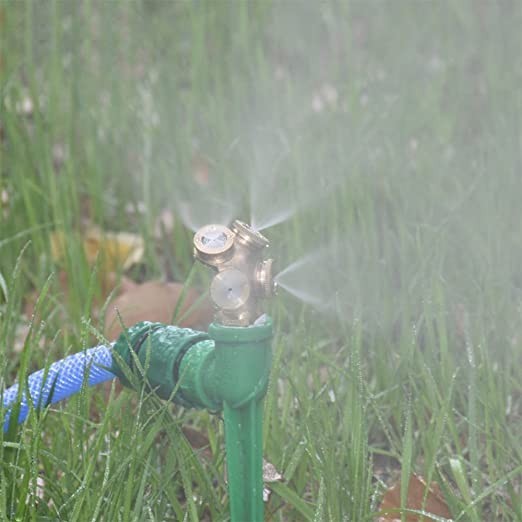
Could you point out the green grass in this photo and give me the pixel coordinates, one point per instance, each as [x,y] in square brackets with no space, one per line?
[419,364]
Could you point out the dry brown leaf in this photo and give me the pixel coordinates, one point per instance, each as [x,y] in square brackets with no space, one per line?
[417,490]
[155,301]
[117,249]
[121,249]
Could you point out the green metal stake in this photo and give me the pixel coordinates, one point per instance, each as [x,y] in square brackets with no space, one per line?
[227,368]
[243,358]
[244,447]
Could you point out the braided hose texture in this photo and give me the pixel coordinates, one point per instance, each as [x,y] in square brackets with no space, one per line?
[61,380]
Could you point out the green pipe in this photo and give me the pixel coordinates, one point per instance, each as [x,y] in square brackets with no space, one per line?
[244,454]
[243,358]
[226,369]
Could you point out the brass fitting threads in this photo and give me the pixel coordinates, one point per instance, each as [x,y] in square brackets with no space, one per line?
[265,285]
[248,237]
[214,245]
[243,278]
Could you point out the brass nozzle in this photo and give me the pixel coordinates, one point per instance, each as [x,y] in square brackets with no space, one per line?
[214,244]
[248,237]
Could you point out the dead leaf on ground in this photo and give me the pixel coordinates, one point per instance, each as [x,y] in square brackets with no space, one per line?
[156,301]
[118,250]
[417,490]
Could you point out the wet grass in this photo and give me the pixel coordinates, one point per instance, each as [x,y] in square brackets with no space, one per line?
[410,111]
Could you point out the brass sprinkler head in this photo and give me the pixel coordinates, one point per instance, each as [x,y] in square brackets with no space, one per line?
[243,277]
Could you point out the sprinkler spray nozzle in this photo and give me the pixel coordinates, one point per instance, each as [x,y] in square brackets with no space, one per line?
[243,276]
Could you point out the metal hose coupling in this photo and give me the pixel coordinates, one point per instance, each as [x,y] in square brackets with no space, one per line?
[243,276]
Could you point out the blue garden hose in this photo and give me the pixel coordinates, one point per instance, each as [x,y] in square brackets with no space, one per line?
[61,380]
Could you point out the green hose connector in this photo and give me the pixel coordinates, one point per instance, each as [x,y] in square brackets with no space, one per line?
[161,360]
[228,369]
